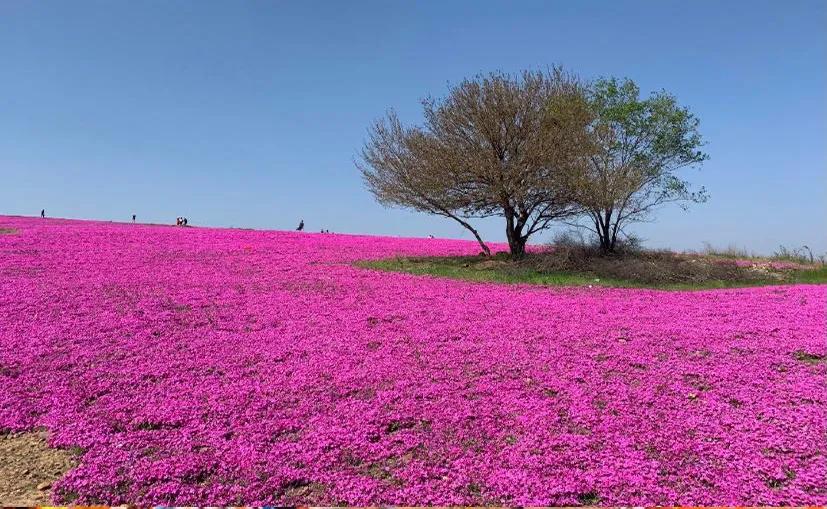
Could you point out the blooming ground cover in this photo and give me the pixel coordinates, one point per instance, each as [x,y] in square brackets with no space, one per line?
[208,366]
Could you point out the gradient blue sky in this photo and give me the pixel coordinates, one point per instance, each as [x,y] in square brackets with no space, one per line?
[251,113]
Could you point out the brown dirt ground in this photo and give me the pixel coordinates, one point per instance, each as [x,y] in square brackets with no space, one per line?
[28,467]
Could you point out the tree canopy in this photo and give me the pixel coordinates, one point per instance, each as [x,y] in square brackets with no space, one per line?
[492,147]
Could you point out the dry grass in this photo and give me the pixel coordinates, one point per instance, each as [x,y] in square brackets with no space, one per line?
[644,267]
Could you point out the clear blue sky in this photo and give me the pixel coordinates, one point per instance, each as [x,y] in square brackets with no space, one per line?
[251,113]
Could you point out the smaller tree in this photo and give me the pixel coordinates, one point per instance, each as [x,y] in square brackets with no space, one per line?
[635,149]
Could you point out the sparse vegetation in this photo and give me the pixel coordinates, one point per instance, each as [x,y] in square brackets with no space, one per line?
[801,255]
[7,231]
[731,251]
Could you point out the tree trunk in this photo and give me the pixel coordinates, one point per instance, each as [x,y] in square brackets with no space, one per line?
[517,247]
[486,251]
[516,241]
[605,241]
[604,232]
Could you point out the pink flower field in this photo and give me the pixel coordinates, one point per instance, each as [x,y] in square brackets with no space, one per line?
[214,366]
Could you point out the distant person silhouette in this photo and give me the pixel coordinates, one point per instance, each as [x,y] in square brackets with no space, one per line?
[133,218]
[185,221]
[301,226]
[43,213]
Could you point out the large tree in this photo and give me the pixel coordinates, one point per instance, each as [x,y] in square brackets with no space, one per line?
[635,150]
[496,145]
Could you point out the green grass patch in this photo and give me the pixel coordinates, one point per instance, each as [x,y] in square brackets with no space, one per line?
[810,276]
[499,269]
[468,268]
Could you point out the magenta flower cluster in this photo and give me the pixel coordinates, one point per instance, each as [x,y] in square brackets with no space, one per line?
[205,366]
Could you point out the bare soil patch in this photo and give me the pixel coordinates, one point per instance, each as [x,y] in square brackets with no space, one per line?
[29,467]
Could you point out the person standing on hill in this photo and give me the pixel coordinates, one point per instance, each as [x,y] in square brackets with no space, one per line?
[43,213]
[133,218]
[301,225]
